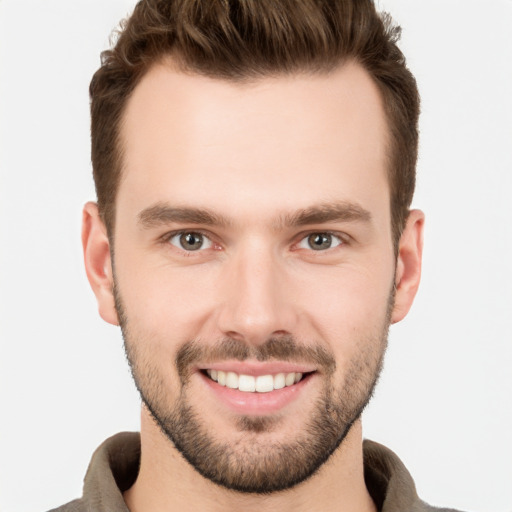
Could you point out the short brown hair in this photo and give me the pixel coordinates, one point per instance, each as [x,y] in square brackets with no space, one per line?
[242,40]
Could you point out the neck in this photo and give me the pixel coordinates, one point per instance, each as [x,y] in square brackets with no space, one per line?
[166,481]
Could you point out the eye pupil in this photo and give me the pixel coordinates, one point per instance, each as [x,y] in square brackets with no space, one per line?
[318,241]
[191,241]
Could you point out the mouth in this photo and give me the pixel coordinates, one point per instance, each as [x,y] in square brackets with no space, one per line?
[255,384]
[257,389]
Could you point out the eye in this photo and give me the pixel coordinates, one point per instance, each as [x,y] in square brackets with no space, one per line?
[190,241]
[320,241]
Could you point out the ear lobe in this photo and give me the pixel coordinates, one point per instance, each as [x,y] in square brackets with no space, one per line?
[98,265]
[408,267]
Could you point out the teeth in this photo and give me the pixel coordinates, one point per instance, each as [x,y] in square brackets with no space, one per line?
[264,383]
[231,380]
[250,384]
[247,383]
[289,379]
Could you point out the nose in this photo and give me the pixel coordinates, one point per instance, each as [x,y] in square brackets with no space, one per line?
[257,301]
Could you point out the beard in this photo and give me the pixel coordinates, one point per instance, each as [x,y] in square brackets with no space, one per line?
[250,462]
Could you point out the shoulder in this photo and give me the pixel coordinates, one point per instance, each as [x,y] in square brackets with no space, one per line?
[112,470]
[390,484]
[72,506]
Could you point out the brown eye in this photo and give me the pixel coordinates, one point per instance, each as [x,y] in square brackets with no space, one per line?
[190,241]
[320,241]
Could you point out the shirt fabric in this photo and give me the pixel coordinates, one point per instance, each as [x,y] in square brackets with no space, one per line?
[115,465]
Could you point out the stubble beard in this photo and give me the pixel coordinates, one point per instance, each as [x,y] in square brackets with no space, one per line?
[251,463]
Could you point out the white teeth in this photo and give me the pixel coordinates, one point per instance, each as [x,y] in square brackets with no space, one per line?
[232,380]
[250,384]
[264,383]
[289,380]
[279,381]
[246,383]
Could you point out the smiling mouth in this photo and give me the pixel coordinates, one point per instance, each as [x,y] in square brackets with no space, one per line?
[255,384]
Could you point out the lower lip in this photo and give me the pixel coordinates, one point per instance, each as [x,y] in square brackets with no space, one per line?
[256,404]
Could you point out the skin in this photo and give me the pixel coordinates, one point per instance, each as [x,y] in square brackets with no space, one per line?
[257,156]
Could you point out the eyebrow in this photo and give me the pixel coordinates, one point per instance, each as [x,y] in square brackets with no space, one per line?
[162,213]
[327,212]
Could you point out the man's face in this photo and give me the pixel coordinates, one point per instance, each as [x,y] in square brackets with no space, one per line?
[253,249]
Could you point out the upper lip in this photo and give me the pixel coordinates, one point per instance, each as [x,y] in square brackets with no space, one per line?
[257,368]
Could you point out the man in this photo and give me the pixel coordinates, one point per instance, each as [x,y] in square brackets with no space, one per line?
[254,164]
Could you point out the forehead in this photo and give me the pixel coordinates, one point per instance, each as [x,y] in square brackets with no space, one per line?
[288,141]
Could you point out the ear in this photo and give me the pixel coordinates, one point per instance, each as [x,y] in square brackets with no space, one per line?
[98,264]
[408,267]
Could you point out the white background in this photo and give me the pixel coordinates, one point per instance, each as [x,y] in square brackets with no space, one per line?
[445,400]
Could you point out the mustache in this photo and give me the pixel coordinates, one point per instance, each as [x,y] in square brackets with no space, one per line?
[282,348]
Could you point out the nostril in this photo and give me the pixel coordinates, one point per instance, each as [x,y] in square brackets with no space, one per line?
[280,333]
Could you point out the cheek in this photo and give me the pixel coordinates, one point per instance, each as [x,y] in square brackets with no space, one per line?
[348,294]
[163,310]
[166,304]
[345,309]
